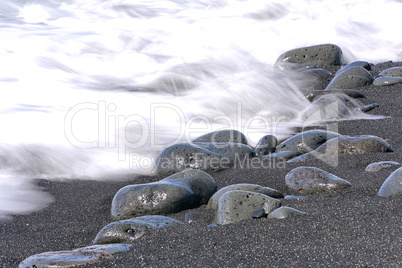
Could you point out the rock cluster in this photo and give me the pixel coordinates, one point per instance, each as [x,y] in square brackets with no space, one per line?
[141,208]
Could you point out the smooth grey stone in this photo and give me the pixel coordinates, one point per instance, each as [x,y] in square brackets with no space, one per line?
[266,145]
[127,231]
[319,55]
[392,186]
[352,77]
[363,64]
[223,136]
[394,72]
[311,96]
[282,155]
[368,108]
[211,157]
[306,141]
[328,107]
[346,145]
[183,190]
[234,206]
[310,180]
[259,213]
[377,166]
[387,81]
[109,248]
[284,212]
[214,200]
[147,199]
[66,258]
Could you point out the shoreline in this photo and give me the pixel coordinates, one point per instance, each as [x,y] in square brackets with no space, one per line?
[355,227]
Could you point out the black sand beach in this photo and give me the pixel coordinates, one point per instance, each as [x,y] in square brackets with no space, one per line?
[351,228]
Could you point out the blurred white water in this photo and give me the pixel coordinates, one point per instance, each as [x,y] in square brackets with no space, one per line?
[91,89]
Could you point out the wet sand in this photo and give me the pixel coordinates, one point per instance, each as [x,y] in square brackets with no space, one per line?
[352,228]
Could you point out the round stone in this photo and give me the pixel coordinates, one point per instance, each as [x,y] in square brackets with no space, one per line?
[64,258]
[152,198]
[127,231]
[319,55]
[387,81]
[393,72]
[284,212]
[259,213]
[352,77]
[311,180]
[234,206]
[377,166]
[183,190]
[214,200]
[266,145]
[392,186]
